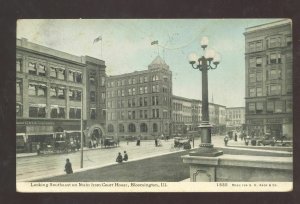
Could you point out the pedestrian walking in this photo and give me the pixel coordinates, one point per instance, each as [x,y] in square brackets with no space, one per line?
[156,143]
[125,156]
[235,137]
[226,140]
[68,167]
[119,158]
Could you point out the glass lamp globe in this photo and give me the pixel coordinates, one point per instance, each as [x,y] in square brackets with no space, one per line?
[204,42]
[193,58]
[217,58]
[209,54]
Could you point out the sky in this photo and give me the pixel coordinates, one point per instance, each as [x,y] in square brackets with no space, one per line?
[126,47]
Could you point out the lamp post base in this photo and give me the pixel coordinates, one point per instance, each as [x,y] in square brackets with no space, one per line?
[206,152]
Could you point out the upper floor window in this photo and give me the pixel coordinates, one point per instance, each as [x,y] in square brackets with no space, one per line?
[93,113]
[259,45]
[37,110]
[75,95]
[92,96]
[42,70]
[289,40]
[102,81]
[75,76]
[252,62]
[92,78]
[275,42]
[141,79]
[129,81]
[18,65]
[252,78]
[258,62]
[259,91]
[18,87]
[37,89]
[57,112]
[133,81]
[278,106]
[75,113]
[275,89]
[32,68]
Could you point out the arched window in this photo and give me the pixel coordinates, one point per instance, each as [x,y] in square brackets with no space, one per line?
[131,127]
[121,128]
[155,127]
[110,128]
[143,127]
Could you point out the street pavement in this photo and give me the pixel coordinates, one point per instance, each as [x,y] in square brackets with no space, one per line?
[45,165]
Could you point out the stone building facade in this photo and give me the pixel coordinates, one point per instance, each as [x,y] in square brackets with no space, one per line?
[269,84]
[235,117]
[53,90]
[139,103]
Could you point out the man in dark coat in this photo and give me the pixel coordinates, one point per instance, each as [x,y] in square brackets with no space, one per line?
[125,156]
[68,167]
[119,158]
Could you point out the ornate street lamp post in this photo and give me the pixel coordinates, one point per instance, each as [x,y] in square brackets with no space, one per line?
[204,64]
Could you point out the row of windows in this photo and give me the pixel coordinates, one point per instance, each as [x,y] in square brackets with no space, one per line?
[132,128]
[54,72]
[130,81]
[278,106]
[274,58]
[132,91]
[269,43]
[132,102]
[40,111]
[271,90]
[143,114]
[40,89]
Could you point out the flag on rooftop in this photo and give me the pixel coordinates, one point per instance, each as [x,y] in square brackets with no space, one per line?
[154,42]
[98,39]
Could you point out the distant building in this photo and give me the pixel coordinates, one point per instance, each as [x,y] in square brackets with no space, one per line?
[50,86]
[269,93]
[235,117]
[187,116]
[139,103]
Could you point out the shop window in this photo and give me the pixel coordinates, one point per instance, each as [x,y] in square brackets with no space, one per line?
[32,68]
[110,128]
[155,128]
[42,70]
[131,128]
[143,127]
[121,128]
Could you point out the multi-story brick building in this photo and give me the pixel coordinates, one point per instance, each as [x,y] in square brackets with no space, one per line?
[139,103]
[186,115]
[235,117]
[269,62]
[52,89]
